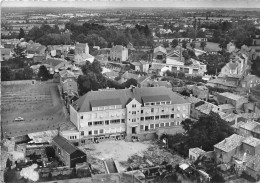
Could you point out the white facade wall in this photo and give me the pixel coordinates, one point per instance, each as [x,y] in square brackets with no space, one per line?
[143,119]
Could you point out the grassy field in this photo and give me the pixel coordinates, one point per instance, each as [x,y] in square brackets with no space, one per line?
[40,106]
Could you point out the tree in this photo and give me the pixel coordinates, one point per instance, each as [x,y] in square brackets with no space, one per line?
[186,55]
[201,34]
[96,40]
[222,43]
[84,83]
[96,67]
[81,38]
[207,131]
[193,44]
[28,73]
[129,82]
[87,68]
[165,44]
[184,44]
[187,124]
[19,51]
[21,34]
[43,73]
[256,66]
[34,33]
[174,43]
[7,74]
[181,75]
[203,44]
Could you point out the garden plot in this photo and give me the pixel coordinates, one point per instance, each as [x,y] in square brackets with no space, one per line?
[40,106]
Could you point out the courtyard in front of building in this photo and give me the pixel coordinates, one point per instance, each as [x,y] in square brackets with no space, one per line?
[129,155]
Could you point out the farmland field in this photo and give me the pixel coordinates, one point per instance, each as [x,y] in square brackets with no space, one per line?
[39,104]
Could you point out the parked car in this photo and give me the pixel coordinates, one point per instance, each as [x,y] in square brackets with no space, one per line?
[19,119]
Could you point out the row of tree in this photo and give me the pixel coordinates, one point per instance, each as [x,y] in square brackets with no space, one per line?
[21,74]
[102,36]
[93,79]
[241,32]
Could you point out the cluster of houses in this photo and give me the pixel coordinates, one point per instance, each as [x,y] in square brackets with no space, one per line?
[152,107]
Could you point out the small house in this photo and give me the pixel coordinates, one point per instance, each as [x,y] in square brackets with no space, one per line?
[67,152]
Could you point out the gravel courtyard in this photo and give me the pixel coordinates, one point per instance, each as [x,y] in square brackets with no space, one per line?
[128,154]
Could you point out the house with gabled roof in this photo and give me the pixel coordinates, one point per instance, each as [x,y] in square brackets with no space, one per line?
[56,65]
[111,113]
[6,54]
[227,148]
[67,152]
[119,53]
[36,49]
[230,98]
[159,54]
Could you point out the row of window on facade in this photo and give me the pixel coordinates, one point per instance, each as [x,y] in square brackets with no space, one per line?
[101,131]
[186,70]
[158,125]
[158,110]
[157,103]
[158,117]
[147,118]
[142,127]
[142,111]
[101,108]
[106,122]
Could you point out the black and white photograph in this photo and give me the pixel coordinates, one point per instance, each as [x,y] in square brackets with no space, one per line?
[130,91]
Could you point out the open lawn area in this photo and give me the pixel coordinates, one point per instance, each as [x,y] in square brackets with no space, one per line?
[39,104]
[128,154]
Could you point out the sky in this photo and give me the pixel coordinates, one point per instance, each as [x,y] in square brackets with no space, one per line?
[133,3]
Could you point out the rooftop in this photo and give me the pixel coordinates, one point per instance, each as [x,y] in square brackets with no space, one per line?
[226,106]
[223,81]
[237,125]
[250,115]
[250,125]
[105,102]
[193,99]
[155,98]
[65,144]
[161,83]
[53,62]
[250,77]
[197,150]
[231,96]
[160,49]
[230,143]
[252,141]
[128,75]
[202,87]
[5,51]
[230,117]
[118,48]
[206,108]
[66,74]
[83,104]
[35,47]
